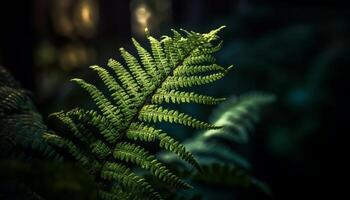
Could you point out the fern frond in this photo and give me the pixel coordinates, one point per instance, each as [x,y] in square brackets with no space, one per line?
[133,91]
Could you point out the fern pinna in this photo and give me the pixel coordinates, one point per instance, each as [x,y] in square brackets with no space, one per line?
[135,94]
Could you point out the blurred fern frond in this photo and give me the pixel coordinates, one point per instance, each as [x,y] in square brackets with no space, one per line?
[237,117]
[22,128]
[214,149]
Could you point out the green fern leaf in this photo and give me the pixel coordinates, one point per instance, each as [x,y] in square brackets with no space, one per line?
[134,92]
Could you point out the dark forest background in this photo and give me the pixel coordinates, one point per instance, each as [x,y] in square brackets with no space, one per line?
[298,50]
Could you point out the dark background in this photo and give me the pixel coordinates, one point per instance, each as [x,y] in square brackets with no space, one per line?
[296,50]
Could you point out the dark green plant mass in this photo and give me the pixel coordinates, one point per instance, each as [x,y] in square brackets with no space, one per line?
[22,126]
